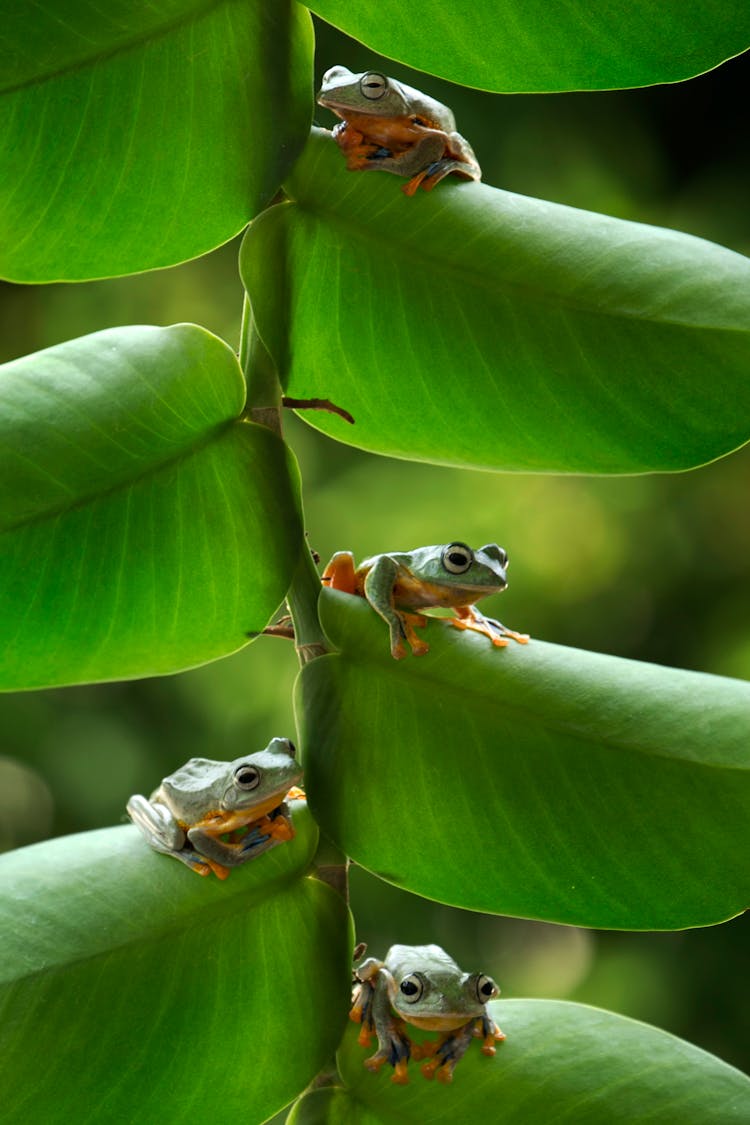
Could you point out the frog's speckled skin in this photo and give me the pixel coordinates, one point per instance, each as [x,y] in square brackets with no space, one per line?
[194,809]
[450,576]
[423,986]
[391,127]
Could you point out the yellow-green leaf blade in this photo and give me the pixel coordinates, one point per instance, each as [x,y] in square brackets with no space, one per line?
[141,136]
[168,987]
[531,46]
[476,327]
[146,527]
[534,780]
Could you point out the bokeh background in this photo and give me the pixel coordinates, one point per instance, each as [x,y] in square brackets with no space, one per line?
[653,567]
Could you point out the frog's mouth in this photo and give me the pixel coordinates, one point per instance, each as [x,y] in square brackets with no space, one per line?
[440,1023]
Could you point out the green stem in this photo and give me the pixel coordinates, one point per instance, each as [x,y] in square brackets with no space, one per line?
[261,378]
[302,600]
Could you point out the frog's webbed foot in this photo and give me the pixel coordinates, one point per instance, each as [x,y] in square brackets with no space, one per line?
[487,1030]
[394,1047]
[468,617]
[447,1053]
[339,574]
[241,844]
[465,166]
[410,621]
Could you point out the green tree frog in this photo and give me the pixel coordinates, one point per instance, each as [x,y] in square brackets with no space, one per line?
[390,127]
[217,815]
[451,576]
[421,985]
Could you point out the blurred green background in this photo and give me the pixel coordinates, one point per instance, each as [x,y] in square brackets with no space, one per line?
[654,568]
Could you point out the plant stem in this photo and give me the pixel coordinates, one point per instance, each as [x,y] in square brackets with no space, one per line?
[263,388]
[302,600]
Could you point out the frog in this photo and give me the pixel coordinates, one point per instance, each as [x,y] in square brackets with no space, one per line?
[423,986]
[387,126]
[214,816]
[450,575]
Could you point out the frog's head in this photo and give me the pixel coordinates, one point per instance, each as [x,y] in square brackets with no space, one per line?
[428,989]
[267,773]
[202,785]
[469,574]
[370,93]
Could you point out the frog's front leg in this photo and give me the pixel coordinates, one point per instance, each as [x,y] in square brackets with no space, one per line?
[378,589]
[163,833]
[448,1052]
[487,1030]
[416,161]
[205,838]
[372,1007]
[469,617]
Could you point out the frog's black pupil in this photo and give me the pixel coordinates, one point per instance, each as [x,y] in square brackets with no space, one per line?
[457,559]
[408,987]
[486,988]
[247,776]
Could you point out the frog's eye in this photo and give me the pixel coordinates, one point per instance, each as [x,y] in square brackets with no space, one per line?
[495,552]
[373,85]
[247,777]
[457,558]
[412,987]
[486,989]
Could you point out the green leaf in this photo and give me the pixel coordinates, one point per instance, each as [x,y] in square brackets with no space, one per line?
[532,46]
[560,1062]
[535,780]
[476,327]
[136,135]
[144,527]
[128,981]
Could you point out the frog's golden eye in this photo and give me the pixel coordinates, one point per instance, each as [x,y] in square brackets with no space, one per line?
[486,989]
[247,777]
[412,987]
[373,85]
[457,558]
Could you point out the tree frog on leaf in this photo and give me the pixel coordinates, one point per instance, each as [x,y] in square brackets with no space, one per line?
[423,986]
[390,127]
[452,576]
[217,815]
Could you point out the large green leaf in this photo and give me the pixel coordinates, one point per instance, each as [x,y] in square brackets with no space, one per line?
[512,46]
[144,527]
[560,1062]
[137,135]
[476,327]
[533,780]
[132,989]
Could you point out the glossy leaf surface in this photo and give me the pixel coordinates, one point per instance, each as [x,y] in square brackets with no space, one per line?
[137,135]
[534,780]
[479,328]
[145,528]
[140,984]
[514,46]
[560,1062]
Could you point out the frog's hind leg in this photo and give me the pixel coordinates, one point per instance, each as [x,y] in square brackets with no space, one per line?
[339,574]
[468,617]
[156,823]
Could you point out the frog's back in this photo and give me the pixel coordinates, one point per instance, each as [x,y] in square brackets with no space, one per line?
[434,112]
